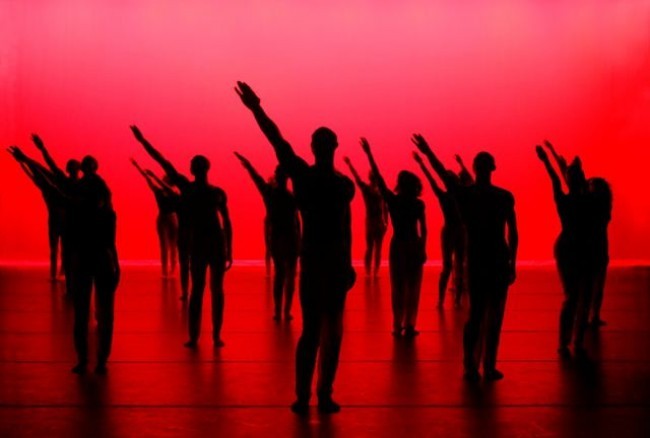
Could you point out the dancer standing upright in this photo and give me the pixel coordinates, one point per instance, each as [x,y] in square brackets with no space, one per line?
[407,247]
[323,196]
[210,237]
[486,211]
[167,200]
[284,234]
[376,219]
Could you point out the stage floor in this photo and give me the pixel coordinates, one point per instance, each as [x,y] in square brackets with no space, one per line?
[387,387]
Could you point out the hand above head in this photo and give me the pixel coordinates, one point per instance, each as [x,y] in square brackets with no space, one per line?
[347,161]
[459,160]
[365,146]
[422,145]
[549,146]
[418,158]
[17,153]
[136,132]
[541,153]
[38,142]
[135,163]
[247,95]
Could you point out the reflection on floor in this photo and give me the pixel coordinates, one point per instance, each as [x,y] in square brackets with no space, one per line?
[155,387]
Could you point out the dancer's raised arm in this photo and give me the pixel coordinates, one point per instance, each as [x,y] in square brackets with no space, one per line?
[168,167]
[42,177]
[362,185]
[464,173]
[559,159]
[555,179]
[434,185]
[283,150]
[381,183]
[54,168]
[436,164]
[146,176]
[259,181]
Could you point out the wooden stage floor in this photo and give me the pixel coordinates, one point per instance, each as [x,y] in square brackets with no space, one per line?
[387,387]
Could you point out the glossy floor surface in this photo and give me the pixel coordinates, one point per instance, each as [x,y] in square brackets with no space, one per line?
[387,387]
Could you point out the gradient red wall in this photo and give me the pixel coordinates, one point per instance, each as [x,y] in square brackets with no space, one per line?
[498,75]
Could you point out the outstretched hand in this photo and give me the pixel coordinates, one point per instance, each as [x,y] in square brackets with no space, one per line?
[365,146]
[347,161]
[418,158]
[549,146]
[136,132]
[422,145]
[541,153]
[459,160]
[38,142]
[17,153]
[247,95]
[135,163]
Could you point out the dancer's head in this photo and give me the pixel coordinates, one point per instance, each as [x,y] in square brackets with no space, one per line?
[73,167]
[484,165]
[323,145]
[408,184]
[600,189]
[89,165]
[199,167]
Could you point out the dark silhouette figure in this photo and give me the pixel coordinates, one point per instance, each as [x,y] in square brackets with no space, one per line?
[452,237]
[407,246]
[167,200]
[376,219]
[68,182]
[210,237]
[55,213]
[93,257]
[323,196]
[571,248]
[485,210]
[600,195]
[284,234]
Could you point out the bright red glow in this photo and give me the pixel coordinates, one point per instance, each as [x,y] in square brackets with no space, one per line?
[476,75]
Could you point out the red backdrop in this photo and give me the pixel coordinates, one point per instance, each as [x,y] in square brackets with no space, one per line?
[471,75]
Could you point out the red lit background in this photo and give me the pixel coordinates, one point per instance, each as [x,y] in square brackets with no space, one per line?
[499,75]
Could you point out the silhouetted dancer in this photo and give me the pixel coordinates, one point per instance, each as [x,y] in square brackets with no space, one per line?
[600,195]
[284,234]
[323,196]
[452,236]
[69,227]
[167,200]
[210,237]
[55,213]
[571,251]
[485,210]
[376,219]
[93,260]
[407,246]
